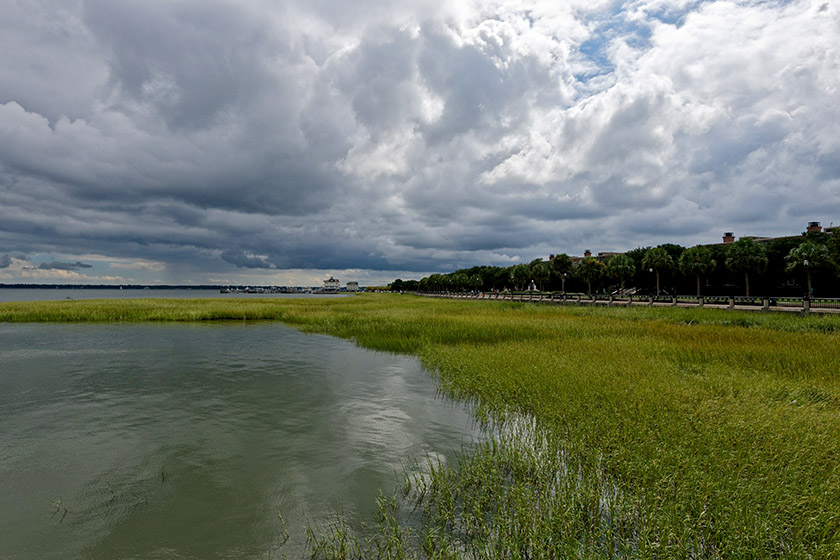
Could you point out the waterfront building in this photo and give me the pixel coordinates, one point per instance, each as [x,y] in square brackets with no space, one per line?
[813,227]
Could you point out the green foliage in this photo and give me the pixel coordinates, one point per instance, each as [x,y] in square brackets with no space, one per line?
[622,268]
[809,257]
[540,272]
[589,269]
[637,254]
[674,251]
[399,285]
[491,277]
[719,278]
[698,261]
[520,274]
[833,246]
[816,237]
[777,251]
[745,255]
[459,281]
[658,260]
[561,263]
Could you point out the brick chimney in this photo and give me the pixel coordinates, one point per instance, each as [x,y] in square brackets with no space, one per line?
[587,253]
[729,237]
[814,227]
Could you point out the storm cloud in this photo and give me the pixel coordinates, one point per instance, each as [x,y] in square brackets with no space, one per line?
[55,265]
[225,141]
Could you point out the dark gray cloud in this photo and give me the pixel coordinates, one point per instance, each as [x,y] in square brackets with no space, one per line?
[58,265]
[195,140]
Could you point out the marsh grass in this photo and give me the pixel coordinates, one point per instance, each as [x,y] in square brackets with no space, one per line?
[641,433]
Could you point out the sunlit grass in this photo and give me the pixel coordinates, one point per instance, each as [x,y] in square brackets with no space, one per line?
[643,432]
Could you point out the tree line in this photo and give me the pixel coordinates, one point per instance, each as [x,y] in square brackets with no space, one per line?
[785,266]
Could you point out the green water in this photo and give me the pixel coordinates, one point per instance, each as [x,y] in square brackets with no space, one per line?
[191,441]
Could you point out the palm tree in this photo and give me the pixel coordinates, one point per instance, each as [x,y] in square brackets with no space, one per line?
[540,272]
[809,256]
[745,255]
[621,267]
[562,265]
[460,281]
[590,269]
[658,260]
[697,260]
[520,275]
[435,282]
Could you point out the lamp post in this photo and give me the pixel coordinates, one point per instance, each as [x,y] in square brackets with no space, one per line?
[657,280]
[808,274]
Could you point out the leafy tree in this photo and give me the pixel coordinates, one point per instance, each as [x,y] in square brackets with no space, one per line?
[562,265]
[476,282]
[540,272]
[433,283]
[637,254]
[777,251]
[622,268]
[519,275]
[745,255]
[460,281]
[833,246]
[809,256]
[674,251]
[697,260]
[589,269]
[496,277]
[658,260]
[817,237]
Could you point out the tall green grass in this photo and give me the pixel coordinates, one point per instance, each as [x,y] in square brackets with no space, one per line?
[643,432]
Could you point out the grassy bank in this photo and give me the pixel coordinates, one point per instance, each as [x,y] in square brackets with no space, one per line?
[650,433]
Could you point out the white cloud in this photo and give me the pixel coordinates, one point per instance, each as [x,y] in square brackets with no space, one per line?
[208,140]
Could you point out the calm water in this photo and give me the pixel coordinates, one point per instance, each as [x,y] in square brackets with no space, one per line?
[188,441]
[44,294]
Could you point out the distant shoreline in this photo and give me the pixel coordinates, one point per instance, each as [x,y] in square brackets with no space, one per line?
[63,292]
[108,287]
[145,286]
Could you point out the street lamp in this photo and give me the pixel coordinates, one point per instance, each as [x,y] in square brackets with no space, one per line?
[657,280]
[808,274]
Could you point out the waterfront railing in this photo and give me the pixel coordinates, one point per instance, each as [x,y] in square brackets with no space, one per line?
[758,303]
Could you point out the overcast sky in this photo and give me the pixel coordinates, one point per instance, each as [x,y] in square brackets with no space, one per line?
[282,141]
